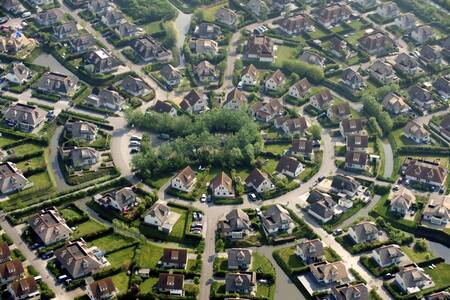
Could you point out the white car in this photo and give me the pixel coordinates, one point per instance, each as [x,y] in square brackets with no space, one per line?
[203,198]
[26,14]
[135,143]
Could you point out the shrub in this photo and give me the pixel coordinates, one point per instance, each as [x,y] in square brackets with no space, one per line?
[421,245]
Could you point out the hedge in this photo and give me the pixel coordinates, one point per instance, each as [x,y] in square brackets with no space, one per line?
[48,97]
[381,189]
[228,201]
[176,193]
[376,270]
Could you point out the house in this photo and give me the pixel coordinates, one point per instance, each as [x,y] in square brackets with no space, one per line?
[437,210]
[11,178]
[101,289]
[312,58]
[174,258]
[352,79]
[296,25]
[5,253]
[258,7]
[295,126]
[321,206]
[427,172]
[430,56]
[82,43]
[98,7]
[204,46]
[333,15]
[170,75]
[338,112]
[134,86]
[18,73]
[49,17]
[443,295]
[275,81]
[444,128]
[382,72]
[239,259]
[357,142]
[402,201]
[185,180]
[120,199]
[411,279]
[161,217]
[406,21]
[442,87]
[388,10]
[344,184]
[81,130]
[395,104]
[321,100]
[84,157]
[148,50]
[299,89]
[10,271]
[351,126]
[77,259]
[226,16]
[420,96]
[241,283]
[366,4]
[266,112]
[50,226]
[259,181]
[14,42]
[205,71]
[13,6]
[356,160]
[222,186]
[25,117]
[126,30]
[65,31]
[112,17]
[249,75]
[235,99]
[235,225]
[422,34]
[164,107]
[387,255]
[406,64]
[327,273]
[350,291]
[338,47]
[364,232]
[207,31]
[310,250]
[108,99]
[416,132]
[23,288]
[56,83]
[101,62]
[289,166]
[172,284]
[303,147]
[195,102]
[260,48]
[276,219]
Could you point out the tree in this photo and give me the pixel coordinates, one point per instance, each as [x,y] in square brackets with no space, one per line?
[421,245]
[171,35]
[315,131]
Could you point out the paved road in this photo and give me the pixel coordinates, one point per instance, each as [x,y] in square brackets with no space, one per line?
[61,184]
[388,159]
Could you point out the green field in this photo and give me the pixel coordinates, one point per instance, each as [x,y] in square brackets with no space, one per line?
[285,53]
[69,213]
[290,258]
[417,256]
[265,290]
[121,281]
[261,264]
[121,257]
[209,13]
[440,275]
[277,148]
[26,148]
[35,162]
[87,228]
[5,140]
[147,285]
[111,242]
[149,255]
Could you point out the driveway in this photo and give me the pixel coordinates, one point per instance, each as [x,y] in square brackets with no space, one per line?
[61,184]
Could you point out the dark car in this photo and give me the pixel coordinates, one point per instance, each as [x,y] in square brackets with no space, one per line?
[47,255]
[321,178]
[388,276]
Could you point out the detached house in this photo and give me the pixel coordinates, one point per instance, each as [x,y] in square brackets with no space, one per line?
[310,251]
[207,31]
[126,30]
[170,75]
[134,86]
[412,279]
[65,31]
[422,34]
[23,288]
[195,102]
[303,147]
[259,181]
[161,217]
[344,184]
[108,99]
[402,201]
[80,130]
[299,89]
[50,17]
[235,99]
[101,289]
[338,112]
[241,283]
[260,48]
[249,75]
[82,43]
[289,166]
[442,87]
[366,4]
[395,104]
[364,232]
[84,157]
[295,126]
[333,15]
[174,258]
[416,132]
[148,50]
[18,73]
[226,16]
[356,160]
[437,210]
[205,72]
[50,226]
[327,273]
[164,107]
[235,225]
[357,142]
[321,100]
[112,17]
[11,178]
[185,180]
[275,81]
[5,252]
[276,219]
[101,62]
[266,112]
[56,83]
[382,72]
[406,21]
[388,255]
[312,58]
[121,200]
[98,7]
[172,284]
[296,25]
[321,206]
[222,186]
[388,10]
[420,96]
[204,46]
[239,259]
[430,56]
[77,259]
[10,271]
[351,126]
[25,117]
[352,79]
[258,7]
[338,47]
[427,172]
[406,64]
[350,291]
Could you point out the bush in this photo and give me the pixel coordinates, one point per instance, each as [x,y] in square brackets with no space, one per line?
[381,189]
[7,239]
[421,245]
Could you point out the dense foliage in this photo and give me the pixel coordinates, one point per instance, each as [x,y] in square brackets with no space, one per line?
[222,138]
[143,11]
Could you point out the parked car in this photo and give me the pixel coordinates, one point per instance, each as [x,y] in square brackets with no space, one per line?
[134,150]
[135,143]
[337,232]
[26,14]
[135,138]
[321,178]
[203,198]
[388,276]
[209,199]
[47,255]
[251,197]
[62,278]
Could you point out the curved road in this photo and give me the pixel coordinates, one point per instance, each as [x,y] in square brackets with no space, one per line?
[61,184]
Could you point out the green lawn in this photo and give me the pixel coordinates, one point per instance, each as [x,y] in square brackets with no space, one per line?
[41,185]
[353,39]
[147,285]
[178,228]
[277,148]
[261,264]
[269,164]
[356,25]
[121,257]
[5,140]
[149,255]
[111,242]
[121,281]
[265,290]
[69,213]
[331,255]
[35,162]
[416,256]
[440,274]
[290,258]
[157,183]
[317,34]
[88,227]
[285,53]
[209,13]
[153,27]
[26,148]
